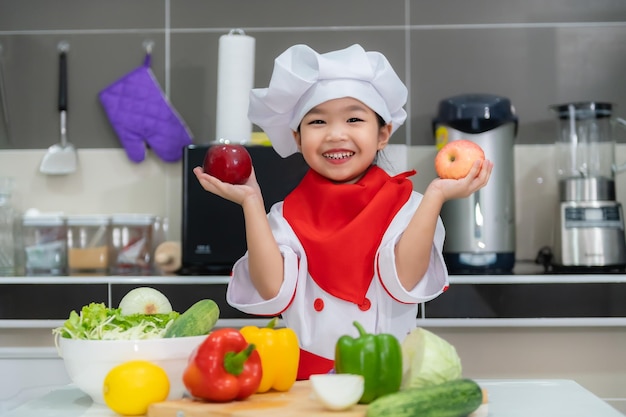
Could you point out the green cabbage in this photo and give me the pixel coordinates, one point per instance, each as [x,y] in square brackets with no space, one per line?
[428,359]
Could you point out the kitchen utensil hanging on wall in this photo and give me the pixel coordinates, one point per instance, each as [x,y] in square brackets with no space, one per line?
[60,159]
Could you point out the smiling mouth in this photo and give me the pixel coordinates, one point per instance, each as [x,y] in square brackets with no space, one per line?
[338,155]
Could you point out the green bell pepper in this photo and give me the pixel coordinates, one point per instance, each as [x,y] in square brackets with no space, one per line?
[377,357]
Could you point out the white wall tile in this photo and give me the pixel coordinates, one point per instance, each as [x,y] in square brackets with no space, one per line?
[106,182]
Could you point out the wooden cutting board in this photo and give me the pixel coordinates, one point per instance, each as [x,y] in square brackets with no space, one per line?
[296,402]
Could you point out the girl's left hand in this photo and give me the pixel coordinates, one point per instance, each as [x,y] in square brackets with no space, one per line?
[476,179]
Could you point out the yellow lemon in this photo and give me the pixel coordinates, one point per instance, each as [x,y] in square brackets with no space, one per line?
[129,388]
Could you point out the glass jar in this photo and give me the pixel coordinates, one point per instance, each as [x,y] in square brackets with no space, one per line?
[88,244]
[7,228]
[45,244]
[585,142]
[131,244]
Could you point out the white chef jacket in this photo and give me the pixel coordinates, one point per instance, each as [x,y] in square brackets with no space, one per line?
[319,318]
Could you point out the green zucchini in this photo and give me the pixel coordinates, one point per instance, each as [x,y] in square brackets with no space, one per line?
[197,320]
[454,398]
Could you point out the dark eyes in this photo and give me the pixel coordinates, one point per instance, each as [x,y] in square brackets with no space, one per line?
[350,120]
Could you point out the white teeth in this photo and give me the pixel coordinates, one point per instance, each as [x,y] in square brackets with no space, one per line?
[340,155]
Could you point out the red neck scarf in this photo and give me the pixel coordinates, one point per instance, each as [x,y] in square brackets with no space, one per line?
[341,226]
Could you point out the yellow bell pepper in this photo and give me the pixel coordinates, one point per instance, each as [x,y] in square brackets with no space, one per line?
[280,354]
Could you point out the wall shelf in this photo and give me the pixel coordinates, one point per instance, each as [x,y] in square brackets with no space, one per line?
[217,279]
[539,279]
[525,322]
[223,279]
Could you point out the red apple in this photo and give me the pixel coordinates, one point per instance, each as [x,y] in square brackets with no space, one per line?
[228,163]
[456,158]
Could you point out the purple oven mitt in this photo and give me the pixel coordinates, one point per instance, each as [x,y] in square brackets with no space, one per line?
[139,111]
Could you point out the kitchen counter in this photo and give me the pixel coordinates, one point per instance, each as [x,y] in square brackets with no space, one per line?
[521,325]
[507,398]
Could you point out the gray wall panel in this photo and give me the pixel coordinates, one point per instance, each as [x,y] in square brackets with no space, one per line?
[286,13]
[194,75]
[93,62]
[534,52]
[463,12]
[40,15]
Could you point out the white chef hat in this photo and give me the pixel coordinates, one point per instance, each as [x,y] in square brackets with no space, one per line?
[303,78]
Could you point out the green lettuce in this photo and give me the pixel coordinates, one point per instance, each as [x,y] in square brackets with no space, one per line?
[428,359]
[96,321]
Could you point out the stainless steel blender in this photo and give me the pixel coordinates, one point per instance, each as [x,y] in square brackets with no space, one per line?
[590,229]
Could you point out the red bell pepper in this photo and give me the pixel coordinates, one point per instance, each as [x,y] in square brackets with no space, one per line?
[223,368]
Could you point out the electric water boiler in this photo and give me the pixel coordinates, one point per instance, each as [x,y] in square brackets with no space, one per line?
[480,229]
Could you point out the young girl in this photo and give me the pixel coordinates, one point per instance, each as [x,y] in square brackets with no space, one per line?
[349,242]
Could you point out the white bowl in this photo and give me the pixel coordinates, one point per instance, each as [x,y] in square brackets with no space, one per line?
[89,361]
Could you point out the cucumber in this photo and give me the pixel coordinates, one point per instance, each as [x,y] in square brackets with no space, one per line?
[454,398]
[197,320]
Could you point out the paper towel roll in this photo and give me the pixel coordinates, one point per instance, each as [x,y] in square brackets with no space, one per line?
[235,76]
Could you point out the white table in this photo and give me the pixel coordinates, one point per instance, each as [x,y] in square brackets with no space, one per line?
[507,398]
[539,398]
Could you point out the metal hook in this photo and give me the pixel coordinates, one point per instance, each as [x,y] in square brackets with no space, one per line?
[63,46]
[148,44]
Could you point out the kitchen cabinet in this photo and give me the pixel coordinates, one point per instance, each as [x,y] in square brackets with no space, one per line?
[530,300]
[522,299]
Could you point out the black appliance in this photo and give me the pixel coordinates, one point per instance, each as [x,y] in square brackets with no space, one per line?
[213,231]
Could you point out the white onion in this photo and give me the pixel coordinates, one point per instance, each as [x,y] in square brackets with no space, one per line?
[145,300]
[338,391]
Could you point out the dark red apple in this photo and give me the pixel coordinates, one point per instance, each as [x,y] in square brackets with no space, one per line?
[228,163]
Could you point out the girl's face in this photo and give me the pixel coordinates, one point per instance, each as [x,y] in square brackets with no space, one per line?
[339,139]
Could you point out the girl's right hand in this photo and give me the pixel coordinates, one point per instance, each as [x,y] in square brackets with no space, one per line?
[235,193]
[476,179]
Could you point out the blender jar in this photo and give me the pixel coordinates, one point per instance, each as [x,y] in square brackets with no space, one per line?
[585,151]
